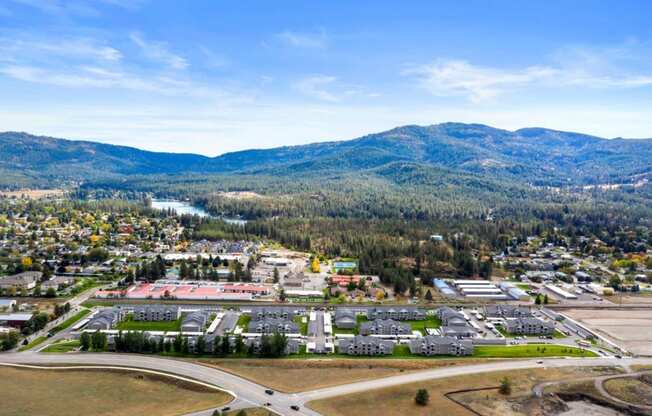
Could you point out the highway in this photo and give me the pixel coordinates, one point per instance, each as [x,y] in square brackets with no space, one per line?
[250,394]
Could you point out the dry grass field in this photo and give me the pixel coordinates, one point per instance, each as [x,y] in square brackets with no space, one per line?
[631,329]
[399,401]
[632,390]
[115,393]
[33,193]
[292,376]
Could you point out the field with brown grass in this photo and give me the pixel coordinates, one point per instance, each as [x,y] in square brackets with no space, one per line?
[292,376]
[399,400]
[91,392]
[633,390]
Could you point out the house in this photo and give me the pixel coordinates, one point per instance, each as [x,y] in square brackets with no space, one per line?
[57,281]
[433,345]
[508,311]
[293,345]
[529,326]
[261,313]
[14,320]
[450,317]
[104,319]
[156,313]
[345,318]
[396,313]
[384,327]
[465,331]
[364,345]
[25,280]
[271,325]
[193,322]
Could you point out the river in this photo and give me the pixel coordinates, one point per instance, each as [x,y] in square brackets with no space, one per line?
[183,208]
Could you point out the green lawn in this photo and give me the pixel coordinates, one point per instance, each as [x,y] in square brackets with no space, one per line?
[303,326]
[529,350]
[132,325]
[431,321]
[243,322]
[70,321]
[35,342]
[62,346]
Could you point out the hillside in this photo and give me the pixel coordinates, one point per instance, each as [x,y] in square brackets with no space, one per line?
[529,156]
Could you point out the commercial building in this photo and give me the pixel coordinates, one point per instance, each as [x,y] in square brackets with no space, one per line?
[25,280]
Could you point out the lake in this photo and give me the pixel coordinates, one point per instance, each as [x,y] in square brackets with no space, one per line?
[182,208]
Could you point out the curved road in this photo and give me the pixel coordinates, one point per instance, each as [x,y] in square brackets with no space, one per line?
[250,394]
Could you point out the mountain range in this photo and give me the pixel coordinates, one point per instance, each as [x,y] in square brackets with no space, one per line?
[532,155]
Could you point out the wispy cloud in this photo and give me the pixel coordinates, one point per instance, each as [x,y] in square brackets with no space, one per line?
[212,59]
[16,48]
[304,39]
[158,51]
[574,67]
[316,86]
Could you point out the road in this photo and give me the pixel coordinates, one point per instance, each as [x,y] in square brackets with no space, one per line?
[250,394]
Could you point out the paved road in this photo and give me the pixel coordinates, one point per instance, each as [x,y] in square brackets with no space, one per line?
[249,394]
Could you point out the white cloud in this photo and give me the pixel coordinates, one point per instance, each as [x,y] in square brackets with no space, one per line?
[13,49]
[304,40]
[316,87]
[479,83]
[158,51]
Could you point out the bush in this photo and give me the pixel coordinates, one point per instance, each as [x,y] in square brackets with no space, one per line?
[422,397]
[505,386]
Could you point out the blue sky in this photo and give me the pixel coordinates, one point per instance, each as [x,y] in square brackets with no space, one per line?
[214,76]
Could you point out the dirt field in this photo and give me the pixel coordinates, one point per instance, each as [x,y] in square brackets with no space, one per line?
[292,376]
[32,193]
[80,392]
[252,411]
[631,329]
[399,401]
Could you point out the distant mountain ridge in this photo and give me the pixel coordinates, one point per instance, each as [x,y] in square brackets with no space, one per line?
[529,155]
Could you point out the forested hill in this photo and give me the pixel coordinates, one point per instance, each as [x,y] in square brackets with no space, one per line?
[533,155]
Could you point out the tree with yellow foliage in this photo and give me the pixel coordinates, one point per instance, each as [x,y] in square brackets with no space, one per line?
[315,267]
[26,262]
[380,295]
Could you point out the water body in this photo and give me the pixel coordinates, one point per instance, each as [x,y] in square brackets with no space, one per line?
[183,208]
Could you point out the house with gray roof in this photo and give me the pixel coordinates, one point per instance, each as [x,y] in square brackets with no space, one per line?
[104,319]
[365,345]
[156,313]
[399,313]
[434,345]
[193,322]
[271,325]
[465,331]
[259,313]
[345,318]
[529,326]
[450,317]
[508,311]
[384,327]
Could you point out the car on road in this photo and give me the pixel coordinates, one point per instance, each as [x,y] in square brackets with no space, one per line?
[270,392]
[294,407]
[540,362]
[268,404]
[226,409]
